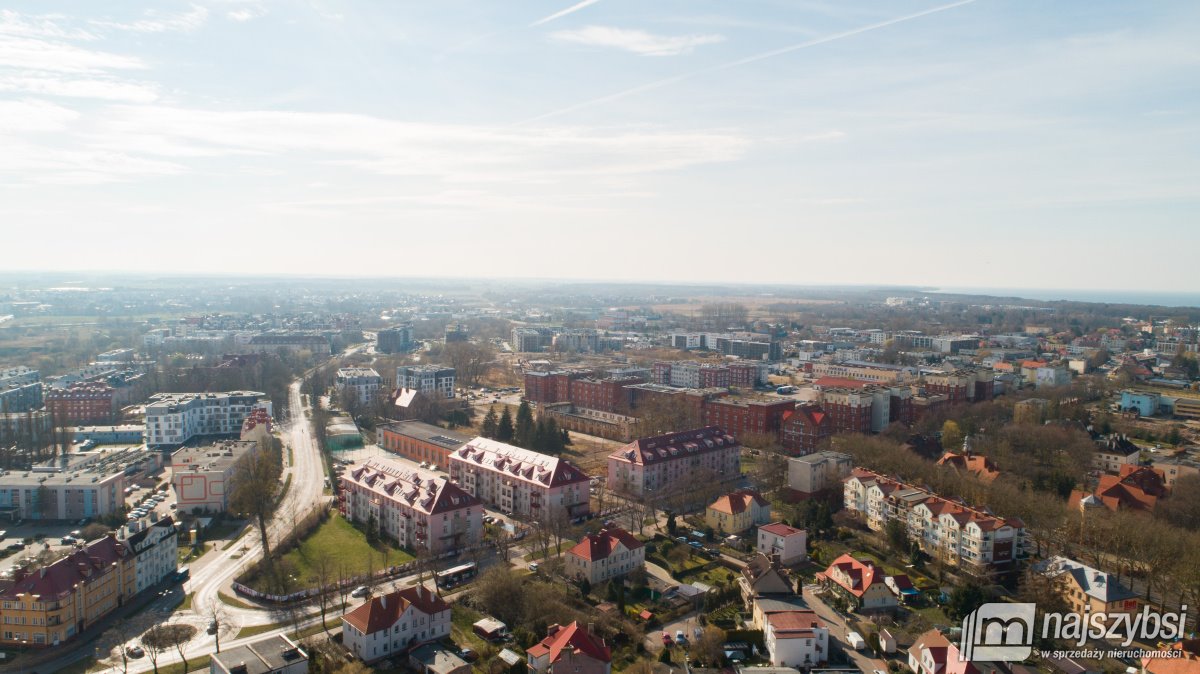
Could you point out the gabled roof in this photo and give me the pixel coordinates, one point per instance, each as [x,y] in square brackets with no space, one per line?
[944,654]
[853,575]
[571,639]
[781,529]
[380,613]
[1092,582]
[519,463]
[980,466]
[739,501]
[84,565]
[1136,488]
[603,543]
[675,446]
[421,490]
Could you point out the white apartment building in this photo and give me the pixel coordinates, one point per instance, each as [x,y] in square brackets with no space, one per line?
[669,462]
[609,553]
[364,381]
[417,508]
[958,534]
[520,481]
[430,380]
[393,623]
[814,472]
[155,548]
[200,475]
[175,418]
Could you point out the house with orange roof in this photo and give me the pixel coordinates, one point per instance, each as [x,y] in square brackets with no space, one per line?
[737,511]
[969,462]
[391,624]
[862,584]
[1188,661]
[1136,488]
[609,553]
[570,648]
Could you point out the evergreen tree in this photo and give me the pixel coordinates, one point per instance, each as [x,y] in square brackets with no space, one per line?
[490,423]
[541,441]
[524,430]
[566,437]
[504,429]
[554,443]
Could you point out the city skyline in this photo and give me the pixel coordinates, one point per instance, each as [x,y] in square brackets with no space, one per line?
[964,144]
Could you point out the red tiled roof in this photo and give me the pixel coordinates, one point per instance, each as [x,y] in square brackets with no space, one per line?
[794,624]
[739,501]
[861,574]
[840,382]
[675,445]
[85,565]
[780,529]
[571,638]
[380,613]
[603,543]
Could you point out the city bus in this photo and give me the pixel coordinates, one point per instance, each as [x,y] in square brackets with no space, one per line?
[456,575]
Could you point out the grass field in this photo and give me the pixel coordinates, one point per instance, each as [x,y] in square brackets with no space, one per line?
[346,548]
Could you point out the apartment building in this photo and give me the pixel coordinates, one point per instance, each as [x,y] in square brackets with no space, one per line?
[430,380]
[1113,452]
[849,410]
[54,604]
[390,624]
[396,339]
[363,381]
[672,462]
[200,476]
[17,397]
[972,538]
[866,372]
[804,429]
[20,375]
[609,553]
[960,386]
[175,418]
[819,471]
[45,493]
[318,345]
[419,441]
[82,403]
[520,481]
[417,508]
[741,417]
[531,340]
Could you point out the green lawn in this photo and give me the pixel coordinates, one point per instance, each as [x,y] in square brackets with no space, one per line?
[235,602]
[346,548]
[537,554]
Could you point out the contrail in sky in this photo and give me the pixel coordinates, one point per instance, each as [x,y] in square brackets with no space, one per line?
[732,64]
[560,14]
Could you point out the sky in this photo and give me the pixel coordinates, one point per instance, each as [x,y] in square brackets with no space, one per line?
[982,143]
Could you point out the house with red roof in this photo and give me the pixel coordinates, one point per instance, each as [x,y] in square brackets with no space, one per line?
[933,653]
[391,624]
[860,583]
[609,553]
[1136,488]
[737,511]
[789,543]
[969,462]
[796,638]
[1187,662]
[570,648]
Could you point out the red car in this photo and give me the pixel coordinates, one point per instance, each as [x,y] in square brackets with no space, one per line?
[667,641]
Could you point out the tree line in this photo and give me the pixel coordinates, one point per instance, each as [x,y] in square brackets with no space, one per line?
[542,435]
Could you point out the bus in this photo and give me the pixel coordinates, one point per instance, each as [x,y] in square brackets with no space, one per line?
[456,575]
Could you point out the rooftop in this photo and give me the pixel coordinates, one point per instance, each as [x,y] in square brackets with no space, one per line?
[265,655]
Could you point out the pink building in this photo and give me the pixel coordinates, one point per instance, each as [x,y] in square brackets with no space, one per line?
[667,462]
[520,481]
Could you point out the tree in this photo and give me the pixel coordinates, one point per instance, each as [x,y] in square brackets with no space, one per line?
[215,612]
[504,429]
[897,535]
[324,580]
[470,361]
[671,524]
[709,647]
[964,599]
[952,436]
[490,422]
[162,638]
[254,490]
[523,431]
[120,636]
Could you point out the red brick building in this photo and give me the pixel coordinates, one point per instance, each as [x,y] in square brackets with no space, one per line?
[960,386]
[714,377]
[849,410]
[804,429]
[743,375]
[739,417]
[579,388]
[83,403]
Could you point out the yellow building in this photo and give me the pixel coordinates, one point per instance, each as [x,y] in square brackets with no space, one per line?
[737,511]
[1086,589]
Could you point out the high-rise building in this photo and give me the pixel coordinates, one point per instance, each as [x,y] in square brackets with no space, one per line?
[431,380]
[396,339]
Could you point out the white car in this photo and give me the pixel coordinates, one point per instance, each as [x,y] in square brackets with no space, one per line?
[360,592]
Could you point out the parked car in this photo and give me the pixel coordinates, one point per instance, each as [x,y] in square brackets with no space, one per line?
[68,540]
[680,638]
[533,566]
[212,627]
[667,641]
[135,652]
[360,592]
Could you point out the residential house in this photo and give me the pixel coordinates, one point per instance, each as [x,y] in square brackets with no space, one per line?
[860,583]
[609,553]
[796,639]
[1135,488]
[570,648]
[789,543]
[764,576]
[933,653]
[738,511]
[1085,589]
[390,624]
[1114,451]
[969,462]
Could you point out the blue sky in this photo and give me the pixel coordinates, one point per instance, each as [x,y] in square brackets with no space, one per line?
[985,143]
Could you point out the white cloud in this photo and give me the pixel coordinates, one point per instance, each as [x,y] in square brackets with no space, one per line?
[245,14]
[34,115]
[636,41]
[37,54]
[560,14]
[96,87]
[47,25]
[157,22]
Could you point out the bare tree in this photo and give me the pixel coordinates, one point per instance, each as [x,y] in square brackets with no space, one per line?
[255,490]
[470,361]
[119,635]
[216,614]
[323,579]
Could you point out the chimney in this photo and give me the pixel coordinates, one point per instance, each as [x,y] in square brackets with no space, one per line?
[42,572]
[551,630]
[383,600]
[591,628]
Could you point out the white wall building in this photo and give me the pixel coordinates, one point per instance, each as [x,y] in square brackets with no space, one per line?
[155,548]
[790,543]
[392,623]
[609,553]
[364,381]
[817,471]
[430,380]
[797,639]
[520,481]
[175,418]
